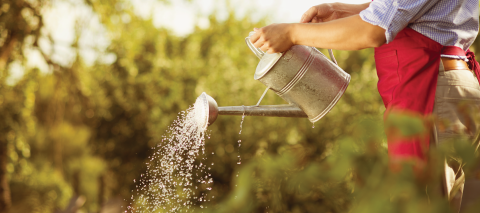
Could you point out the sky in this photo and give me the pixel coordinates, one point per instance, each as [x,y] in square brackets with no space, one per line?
[179,16]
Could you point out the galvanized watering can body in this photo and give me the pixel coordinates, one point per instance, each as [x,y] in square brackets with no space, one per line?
[304,77]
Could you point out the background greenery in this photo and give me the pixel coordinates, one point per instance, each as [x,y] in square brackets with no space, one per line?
[83,132]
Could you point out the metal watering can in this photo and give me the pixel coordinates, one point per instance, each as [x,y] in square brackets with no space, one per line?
[302,76]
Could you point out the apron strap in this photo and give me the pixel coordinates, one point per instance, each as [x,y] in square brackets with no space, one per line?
[473,64]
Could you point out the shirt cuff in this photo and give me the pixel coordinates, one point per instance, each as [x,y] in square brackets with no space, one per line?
[381,14]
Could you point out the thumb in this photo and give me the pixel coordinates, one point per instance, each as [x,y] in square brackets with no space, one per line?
[308,16]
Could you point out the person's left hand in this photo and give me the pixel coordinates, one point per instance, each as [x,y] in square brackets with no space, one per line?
[274,38]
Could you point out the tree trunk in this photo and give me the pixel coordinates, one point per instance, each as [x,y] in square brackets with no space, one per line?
[5,199]
[101,191]
[6,49]
[76,183]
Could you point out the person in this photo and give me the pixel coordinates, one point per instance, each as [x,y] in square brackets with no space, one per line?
[422,59]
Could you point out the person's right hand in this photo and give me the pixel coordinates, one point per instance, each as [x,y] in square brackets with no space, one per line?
[329,12]
[320,13]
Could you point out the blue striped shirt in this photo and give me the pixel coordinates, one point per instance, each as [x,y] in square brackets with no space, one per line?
[448,22]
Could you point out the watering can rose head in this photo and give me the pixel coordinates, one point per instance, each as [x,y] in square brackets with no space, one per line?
[206,111]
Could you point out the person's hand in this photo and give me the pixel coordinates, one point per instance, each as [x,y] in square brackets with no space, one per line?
[320,13]
[274,38]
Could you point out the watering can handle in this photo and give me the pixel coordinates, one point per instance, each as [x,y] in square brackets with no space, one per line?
[330,52]
[259,53]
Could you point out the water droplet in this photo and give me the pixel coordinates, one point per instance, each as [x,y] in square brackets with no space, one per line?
[241,123]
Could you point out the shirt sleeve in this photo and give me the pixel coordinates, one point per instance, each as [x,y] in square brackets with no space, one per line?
[394,15]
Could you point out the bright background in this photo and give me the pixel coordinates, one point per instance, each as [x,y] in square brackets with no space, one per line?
[77,133]
[179,16]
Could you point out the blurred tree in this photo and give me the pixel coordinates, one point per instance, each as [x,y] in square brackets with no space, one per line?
[18,20]
[88,129]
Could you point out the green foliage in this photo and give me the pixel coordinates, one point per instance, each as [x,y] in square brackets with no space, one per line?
[40,188]
[89,129]
[407,125]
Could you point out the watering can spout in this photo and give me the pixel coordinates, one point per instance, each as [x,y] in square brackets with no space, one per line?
[207,111]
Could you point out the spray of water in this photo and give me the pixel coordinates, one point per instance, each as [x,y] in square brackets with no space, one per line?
[176,179]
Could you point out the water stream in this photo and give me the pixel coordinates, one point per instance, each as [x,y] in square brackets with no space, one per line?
[176,178]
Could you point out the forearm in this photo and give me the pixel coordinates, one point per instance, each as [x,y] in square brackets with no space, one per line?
[351,33]
[346,10]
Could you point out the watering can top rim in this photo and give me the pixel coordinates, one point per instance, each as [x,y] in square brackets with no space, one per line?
[267,61]
[266,64]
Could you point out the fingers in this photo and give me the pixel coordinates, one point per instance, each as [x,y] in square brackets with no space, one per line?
[259,42]
[309,15]
[270,51]
[269,39]
[319,13]
[266,46]
[254,38]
